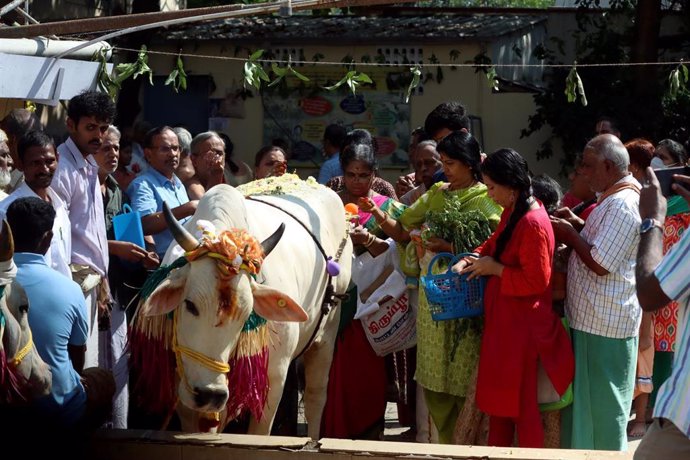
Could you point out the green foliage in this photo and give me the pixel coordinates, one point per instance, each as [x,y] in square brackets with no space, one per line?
[111,84]
[177,77]
[574,87]
[677,81]
[416,76]
[282,72]
[611,90]
[254,73]
[352,79]
[465,229]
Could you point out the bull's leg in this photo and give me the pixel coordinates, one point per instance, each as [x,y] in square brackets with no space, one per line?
[317,366]
[277,371]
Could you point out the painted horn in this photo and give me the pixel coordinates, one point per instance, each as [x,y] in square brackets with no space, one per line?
[269,243]
[185,239]
[6,242]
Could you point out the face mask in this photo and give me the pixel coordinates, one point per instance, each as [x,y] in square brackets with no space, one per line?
[657,163]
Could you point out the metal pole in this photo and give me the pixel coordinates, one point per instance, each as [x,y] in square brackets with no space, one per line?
[10,6]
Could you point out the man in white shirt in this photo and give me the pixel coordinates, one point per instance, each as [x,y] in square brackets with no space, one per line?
[661,279]
[89,115]
[38,161]
[601,305]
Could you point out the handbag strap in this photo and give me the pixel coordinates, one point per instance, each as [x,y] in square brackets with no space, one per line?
[126,208]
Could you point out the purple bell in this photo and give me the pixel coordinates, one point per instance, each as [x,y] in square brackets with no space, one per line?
[332,267]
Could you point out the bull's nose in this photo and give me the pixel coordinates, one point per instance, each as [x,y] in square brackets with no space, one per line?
[204,397]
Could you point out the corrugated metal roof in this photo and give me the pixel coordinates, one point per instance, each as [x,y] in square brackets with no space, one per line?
[353,29]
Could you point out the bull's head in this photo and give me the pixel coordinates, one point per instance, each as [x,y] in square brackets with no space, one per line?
[32,377]
[211,309]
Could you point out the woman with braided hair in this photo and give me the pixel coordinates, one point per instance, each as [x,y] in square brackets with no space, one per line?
[520,327]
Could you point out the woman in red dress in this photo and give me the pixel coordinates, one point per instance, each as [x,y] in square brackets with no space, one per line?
[520,327]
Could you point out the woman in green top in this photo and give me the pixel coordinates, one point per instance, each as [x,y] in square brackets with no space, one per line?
[442,372]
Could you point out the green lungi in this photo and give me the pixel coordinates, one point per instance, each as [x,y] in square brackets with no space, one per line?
[602,393]
[663,365]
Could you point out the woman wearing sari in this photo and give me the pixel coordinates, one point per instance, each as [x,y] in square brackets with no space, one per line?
[447,351]
[356,401]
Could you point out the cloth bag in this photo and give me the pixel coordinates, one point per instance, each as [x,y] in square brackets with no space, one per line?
[127,226]
[389,321]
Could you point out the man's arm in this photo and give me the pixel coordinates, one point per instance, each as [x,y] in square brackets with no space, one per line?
[155,222]
[567,234]
[650,251]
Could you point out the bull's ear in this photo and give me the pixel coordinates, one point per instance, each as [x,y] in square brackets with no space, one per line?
[167,295]
[273,305]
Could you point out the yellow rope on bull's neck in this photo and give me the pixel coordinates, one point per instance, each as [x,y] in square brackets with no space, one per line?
[21,354]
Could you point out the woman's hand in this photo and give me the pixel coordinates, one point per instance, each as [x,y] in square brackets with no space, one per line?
[464,262]
[436,244]
[484,266]
[366,204]
[359,235]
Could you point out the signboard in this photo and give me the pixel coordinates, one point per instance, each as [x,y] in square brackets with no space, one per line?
[299,117]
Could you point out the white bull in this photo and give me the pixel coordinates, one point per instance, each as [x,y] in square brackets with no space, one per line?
[288,292]
[23,374]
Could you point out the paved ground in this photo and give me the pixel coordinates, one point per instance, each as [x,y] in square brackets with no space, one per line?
[394,432]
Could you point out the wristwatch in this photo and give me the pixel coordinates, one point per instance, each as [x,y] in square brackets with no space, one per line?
[648,224]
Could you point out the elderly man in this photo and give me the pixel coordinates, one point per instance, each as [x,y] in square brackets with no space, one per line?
[427,162]
[39,162]
[661,279]
[159,184]
[6,164]
[208,158]
[601,304]
[89,115]
[16,124]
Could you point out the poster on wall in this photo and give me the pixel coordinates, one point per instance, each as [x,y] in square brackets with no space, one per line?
[299,120]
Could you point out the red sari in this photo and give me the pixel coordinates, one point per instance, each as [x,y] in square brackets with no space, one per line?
[519,324]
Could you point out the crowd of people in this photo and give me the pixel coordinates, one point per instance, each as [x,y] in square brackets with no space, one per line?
[580,300]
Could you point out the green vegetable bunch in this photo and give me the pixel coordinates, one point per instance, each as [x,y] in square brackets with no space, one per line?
[465,229]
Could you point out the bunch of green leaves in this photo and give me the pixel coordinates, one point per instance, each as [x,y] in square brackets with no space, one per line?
[112,83]
[178,77]
[465,229]
[574,87]
[253,70]
[281,72]
[677,81]
[352,79]
[416,76]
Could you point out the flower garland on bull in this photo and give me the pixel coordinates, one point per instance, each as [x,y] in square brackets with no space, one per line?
[14,387]
[154,338]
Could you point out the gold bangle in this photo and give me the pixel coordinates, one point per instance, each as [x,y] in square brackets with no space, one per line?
[370,240]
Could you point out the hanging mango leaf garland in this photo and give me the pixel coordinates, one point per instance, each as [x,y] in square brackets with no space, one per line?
[134,69]
[574,86]
[178,77]
[416,76]
[106,82]
[353,79]
[253,71]
[678,80]
[492,78]
[281,72]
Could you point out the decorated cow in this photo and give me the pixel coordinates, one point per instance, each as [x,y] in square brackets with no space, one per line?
[249,286]
[24,376]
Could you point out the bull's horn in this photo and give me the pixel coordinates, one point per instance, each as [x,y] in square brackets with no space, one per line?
[6,242]
[185,239]
[269,243]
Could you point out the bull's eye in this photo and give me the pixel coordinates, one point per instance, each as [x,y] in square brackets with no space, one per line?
[24,309]
[191,308]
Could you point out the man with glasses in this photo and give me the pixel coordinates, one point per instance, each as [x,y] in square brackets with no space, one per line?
[160,184]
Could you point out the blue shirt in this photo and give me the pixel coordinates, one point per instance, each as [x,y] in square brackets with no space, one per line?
[57,317]
[673,401]
[146,195]
[330,168]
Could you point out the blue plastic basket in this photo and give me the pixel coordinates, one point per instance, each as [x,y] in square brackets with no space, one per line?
[450,295]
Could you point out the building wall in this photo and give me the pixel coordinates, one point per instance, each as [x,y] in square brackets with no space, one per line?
[502,115]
